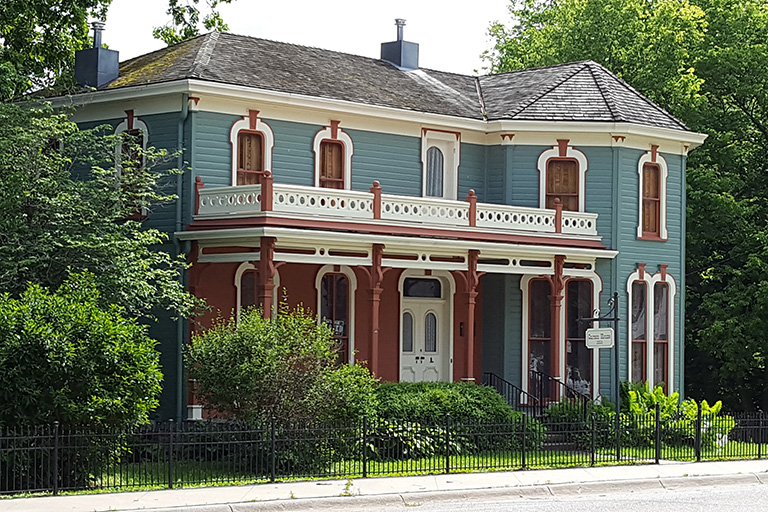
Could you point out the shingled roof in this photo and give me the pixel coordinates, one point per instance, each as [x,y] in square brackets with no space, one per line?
[580,91]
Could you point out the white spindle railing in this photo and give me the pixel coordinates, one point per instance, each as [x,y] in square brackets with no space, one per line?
[424,210]
[226,201]
[322,202]
[496,216]
[579,223]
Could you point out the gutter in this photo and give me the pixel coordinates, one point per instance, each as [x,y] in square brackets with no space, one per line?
[180,402]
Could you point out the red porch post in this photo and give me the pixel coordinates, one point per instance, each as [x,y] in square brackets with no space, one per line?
[473,279]
[266,273]
[556,300]
[376,276]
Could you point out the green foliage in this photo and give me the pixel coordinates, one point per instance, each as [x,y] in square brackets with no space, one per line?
[707,62]
[284,367]
[185,21]
[62,212]
[38,40]
[64,358]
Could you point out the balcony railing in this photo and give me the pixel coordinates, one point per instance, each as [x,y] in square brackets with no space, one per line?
[293,200]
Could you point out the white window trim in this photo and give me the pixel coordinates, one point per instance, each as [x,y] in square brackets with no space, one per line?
[597,289]
[352,280]
[343,137]
[554,153]
[647,158]
[238,281]
[138,124]
[451,160]
[650,281]
[244,124]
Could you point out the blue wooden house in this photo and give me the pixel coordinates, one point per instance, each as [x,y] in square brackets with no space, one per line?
[445,226]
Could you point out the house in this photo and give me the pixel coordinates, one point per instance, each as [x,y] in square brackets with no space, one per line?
[445,226]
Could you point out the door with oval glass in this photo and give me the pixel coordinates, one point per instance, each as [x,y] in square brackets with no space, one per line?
[424,341]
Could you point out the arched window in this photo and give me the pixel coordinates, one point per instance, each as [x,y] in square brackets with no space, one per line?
[252,141]
[246,288]
[562,175]
[578,296]
[333,157]
[652,173]
[430,333]
[336,286]
[407,332]
[435,172]
[638,326]
[661,334]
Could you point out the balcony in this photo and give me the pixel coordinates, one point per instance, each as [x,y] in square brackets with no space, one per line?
[247,201]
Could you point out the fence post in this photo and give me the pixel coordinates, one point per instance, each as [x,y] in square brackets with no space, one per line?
[365,446]
[760,436]
[272,447]
[171,430]
[698,432]
[447,443]
[592,439]
[657,442]
[55,458]
[525,421]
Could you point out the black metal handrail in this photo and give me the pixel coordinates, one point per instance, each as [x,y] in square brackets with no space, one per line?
[516,397]
[549,389]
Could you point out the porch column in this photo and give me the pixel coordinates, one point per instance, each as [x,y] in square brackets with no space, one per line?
[555,301]
[375,277]
[265,285]
[473,279]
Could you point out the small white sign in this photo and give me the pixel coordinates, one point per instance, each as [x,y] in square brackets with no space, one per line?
[599,337]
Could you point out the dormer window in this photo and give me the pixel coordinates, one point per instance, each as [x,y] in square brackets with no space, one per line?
[440,160]
[333,157]
[652,174]
[252,141]
[562,175]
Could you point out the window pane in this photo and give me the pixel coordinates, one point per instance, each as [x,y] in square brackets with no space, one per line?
[650,216]
[248,289]
[659,363]
[541,323]
[430,333]
[579,295]
[435,172]
[407,332]
[331,164]
[579,362]
[638,311]
[651,181]
[429,288]
[638,362]
[660,311]
[563,184]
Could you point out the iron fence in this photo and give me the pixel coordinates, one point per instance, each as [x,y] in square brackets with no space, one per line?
[53,459]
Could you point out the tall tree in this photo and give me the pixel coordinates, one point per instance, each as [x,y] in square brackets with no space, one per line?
[185,20]
[707,62]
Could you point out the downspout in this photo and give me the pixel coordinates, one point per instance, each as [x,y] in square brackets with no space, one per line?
[180,322]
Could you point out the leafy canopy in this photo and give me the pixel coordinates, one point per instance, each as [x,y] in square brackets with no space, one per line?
[61,212]
[185,21]
[65,358]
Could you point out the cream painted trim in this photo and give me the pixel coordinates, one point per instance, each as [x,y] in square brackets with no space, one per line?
[554,153]
[352,278]
[238,281]
[449,292]
[138,124]
[663,175]
[450,145]
[597,289]
[650,281]
[219,93]
[349,149]
[262,128]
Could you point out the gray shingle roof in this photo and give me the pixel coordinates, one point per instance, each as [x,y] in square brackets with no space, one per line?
[580,91]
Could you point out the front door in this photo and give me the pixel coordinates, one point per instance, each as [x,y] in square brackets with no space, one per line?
[425,332]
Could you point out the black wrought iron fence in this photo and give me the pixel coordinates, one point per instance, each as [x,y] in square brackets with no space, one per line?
[53,459]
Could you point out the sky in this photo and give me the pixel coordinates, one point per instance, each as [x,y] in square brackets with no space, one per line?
[451,34]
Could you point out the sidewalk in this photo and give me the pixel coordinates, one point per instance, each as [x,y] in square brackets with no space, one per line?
[397,490]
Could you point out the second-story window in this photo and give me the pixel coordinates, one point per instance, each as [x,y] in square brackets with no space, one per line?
[563,184]
[435,172]
[250,157]
[331,164]
[651,200]
[440,159]
[652,173]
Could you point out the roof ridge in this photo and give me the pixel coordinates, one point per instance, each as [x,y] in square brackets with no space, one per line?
[204,53]
[608,103]
[549,89]
[642,96]
[536,68]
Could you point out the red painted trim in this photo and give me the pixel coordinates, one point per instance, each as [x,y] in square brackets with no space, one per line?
[507,136]
[267,192]
[641,271]
[198,187]
[129,119]
[663,269]
[428,272]
[558,215]
[617,138]
[424,131]
[196,99]
[472,200]
[276,221]
[562,147]
[335,129]
[253,117]
[654,151]
[376,191]
[652,237]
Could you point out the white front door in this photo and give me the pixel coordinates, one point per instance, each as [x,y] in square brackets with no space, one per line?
[425,341]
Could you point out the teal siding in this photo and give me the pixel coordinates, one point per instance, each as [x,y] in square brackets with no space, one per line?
[293,160]
[599,189]
[393,160]
[212,152]
[523,175]
[496,175]
[502,326]
[472,171]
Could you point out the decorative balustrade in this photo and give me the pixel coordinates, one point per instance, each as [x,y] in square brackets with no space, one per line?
[251,200]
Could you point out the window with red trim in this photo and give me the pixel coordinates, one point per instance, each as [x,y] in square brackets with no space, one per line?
[563,184]
[539,334]
[639,338]
[332,164]
[660,334]
[248,289]
[250,157]
[334,310]
[578,296]
[651,200]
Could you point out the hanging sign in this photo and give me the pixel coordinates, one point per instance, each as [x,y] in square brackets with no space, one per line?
[599,337]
